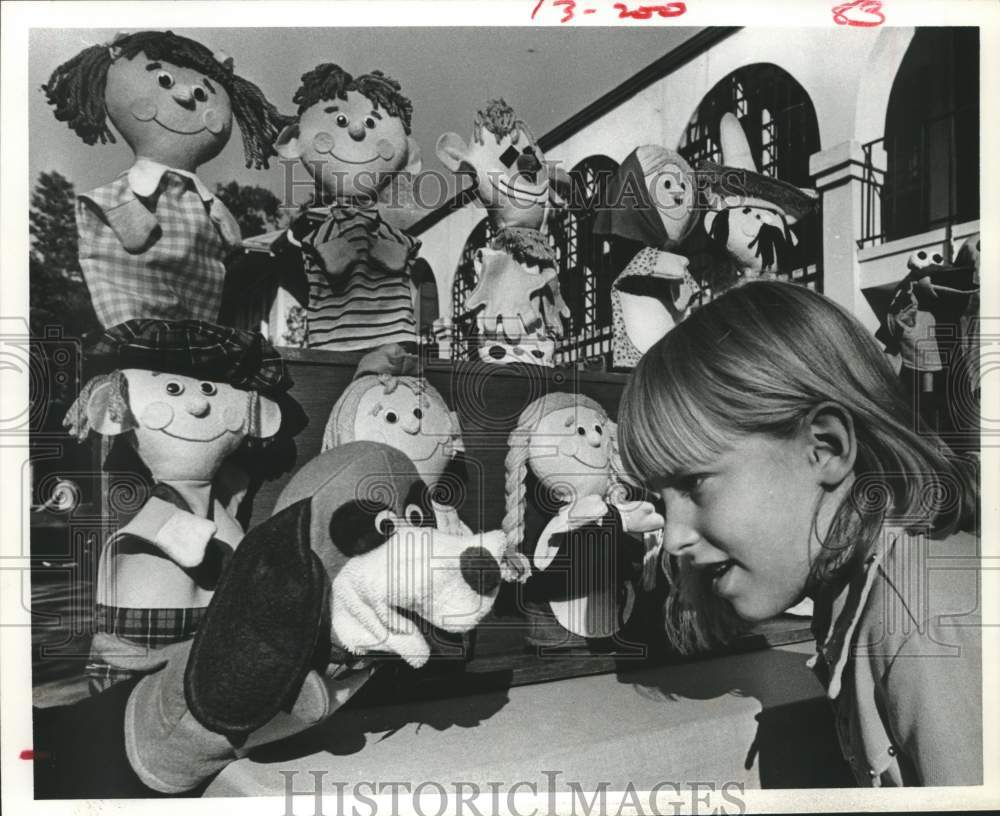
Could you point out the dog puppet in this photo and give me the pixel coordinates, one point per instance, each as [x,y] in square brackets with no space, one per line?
[310,598]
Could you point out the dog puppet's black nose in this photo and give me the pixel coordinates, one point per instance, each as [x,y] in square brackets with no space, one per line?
[480,569]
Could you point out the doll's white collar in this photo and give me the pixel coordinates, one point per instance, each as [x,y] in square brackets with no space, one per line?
[144,178]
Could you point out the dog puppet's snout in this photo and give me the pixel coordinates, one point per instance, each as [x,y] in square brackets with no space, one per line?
[480,570]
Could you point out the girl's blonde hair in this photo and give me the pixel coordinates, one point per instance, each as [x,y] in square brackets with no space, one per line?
[755,360]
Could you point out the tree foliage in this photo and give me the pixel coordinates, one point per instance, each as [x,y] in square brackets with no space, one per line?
[256,209]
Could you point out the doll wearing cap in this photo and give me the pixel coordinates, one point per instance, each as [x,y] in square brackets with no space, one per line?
[751,214]
[568,517]
[520,309]
[352,135]
[652,204]
[154,241]
[187,395]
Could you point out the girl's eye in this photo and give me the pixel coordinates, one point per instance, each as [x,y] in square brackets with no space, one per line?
[209,389]
[581,430]
[418,413]
[690,485]
[165,79]
[414,515]
[369,123]
[391,417]
[200,93]
[385,523]
[174,388]
[342,120]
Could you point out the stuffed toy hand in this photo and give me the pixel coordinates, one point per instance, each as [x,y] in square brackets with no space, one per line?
[640,517]
[341,251]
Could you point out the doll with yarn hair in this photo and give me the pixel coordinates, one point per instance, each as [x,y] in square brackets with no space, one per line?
[652,205]
[520,309]
[568,516]
[153,242]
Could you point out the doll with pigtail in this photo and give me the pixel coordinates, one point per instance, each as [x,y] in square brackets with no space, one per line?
[153,243]
[572,532]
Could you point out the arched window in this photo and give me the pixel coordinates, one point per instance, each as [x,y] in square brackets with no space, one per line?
[780,123]
[932,134]
[464,342]
[585,273]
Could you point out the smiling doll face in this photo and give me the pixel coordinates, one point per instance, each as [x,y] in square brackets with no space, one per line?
[570,452]
[186,426]
[671,189]
[351,146]
[170,114]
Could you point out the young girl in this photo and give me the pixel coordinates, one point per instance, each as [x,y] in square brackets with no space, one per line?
[779,438]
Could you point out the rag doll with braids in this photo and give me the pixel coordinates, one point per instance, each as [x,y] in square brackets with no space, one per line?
[352,135]
[153,242]
[520,310]
[573,532]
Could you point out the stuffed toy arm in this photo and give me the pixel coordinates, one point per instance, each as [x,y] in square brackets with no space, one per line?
[182,536]
[335,246]
[135,227]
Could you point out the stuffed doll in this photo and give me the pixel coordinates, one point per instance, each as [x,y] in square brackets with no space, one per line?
[352,135]
[653,195]
[933,292]
[751,214]
[568,517]
[388,402]
[520,307]
[307,603]
[153,242]
[187,394]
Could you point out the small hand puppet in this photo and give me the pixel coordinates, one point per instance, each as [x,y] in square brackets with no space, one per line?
[517,295]
[568,516]
[310,597]
[352,134]
[153,242]
[388,402]
[186,395]
[653,204]
[751,214]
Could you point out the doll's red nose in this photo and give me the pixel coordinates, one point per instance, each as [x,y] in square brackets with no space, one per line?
[197,406]
[184,97]
[479,569]
[357,131]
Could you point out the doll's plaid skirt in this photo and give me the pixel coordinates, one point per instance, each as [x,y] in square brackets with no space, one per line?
[153,628]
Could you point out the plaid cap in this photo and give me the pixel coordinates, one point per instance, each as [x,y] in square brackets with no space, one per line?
[192,348]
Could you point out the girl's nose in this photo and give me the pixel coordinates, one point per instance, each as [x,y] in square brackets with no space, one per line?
[197,406]
[678,529]
[183,96]
[357,131]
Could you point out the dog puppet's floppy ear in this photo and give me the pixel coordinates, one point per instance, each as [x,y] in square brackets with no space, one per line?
[452,151]
[262,629]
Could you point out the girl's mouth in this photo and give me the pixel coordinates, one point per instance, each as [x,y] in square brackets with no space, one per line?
[716,573]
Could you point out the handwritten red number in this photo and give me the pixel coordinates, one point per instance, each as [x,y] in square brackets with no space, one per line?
[537,6]
[645,12]
[863,13]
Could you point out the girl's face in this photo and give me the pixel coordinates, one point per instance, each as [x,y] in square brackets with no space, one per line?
[170,114]
[745,521]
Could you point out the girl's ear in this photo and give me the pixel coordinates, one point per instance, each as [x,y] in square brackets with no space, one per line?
[287,144]
[103,416]
[414,162]
[832,444]
[268,418]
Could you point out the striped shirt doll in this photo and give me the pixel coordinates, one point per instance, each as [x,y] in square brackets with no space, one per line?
[352,135]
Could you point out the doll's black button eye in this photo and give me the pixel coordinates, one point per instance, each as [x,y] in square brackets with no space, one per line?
[509,156]
[174,388]
[418,413]
[369,123]
[209,389]
[384,524]
[599,430]
[580,430]
[537,353]
[342,120]
[415,515]
[200,93]
[937,259]
[166,80]
[666,183]
[391,417]
[922,255]
[746,210]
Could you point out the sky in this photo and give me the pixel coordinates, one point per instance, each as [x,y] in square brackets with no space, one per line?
[547,74]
